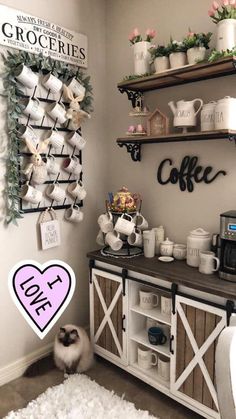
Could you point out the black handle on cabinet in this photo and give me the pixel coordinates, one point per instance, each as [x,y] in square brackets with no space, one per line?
[123,319]
[171,340]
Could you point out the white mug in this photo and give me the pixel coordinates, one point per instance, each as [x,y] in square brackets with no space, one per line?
[100,238]
[30,194]
[166,305]
[55,139]
[164,367]
[77,191]
[140,221]
[26,76]
[52,83]
[146,358]
[147,298]
[135,238]
[74,214]
[105,222]
[207,262]
[52,165]
[57,111]
[32,108]
[75,140]
[26,132]
[55,193]
[149,243]
[72,165]
[113,239]
[125,224]
[76,87]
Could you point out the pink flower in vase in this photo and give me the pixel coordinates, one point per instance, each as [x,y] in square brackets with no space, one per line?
[215,5]
[211,13]
[225,2]
[232,2]
[136,32]
[190,34]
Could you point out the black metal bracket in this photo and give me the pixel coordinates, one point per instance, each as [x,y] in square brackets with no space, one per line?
[91,266]
[171,348]
[124,276]
[123,319]
[229,310]
[174,290]
[133,95]
[133,149]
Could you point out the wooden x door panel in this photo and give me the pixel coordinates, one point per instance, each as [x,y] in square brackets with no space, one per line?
[196,327]
[107,311]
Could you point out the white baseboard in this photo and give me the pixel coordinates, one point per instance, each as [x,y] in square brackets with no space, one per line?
[17,368]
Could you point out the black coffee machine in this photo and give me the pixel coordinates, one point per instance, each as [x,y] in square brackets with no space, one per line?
[227,252]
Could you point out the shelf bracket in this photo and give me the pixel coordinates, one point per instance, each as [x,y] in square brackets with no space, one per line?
[133,95]
[133,149]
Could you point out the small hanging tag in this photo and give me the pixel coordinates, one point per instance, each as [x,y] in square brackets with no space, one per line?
[49,229]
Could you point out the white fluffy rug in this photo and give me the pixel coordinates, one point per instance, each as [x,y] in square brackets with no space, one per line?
[79,398]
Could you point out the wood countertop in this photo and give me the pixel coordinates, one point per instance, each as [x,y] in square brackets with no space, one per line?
[177,271]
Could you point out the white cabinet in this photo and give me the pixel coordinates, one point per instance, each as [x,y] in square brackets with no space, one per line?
[119,327]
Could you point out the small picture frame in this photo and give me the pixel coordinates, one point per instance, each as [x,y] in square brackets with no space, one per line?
[157,124]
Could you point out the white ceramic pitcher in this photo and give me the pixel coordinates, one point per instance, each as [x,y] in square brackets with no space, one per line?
[184,112]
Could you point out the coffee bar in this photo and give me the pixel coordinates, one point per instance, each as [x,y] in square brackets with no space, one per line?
[157,307]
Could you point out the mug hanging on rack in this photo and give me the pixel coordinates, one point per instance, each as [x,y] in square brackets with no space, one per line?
[77,190]
[72,165]
[25,132]
[55,139]
[57,112]
[32,108]
[54,192]
[52,83]
[26,76]
[74,214]
[75,140]
[30,194]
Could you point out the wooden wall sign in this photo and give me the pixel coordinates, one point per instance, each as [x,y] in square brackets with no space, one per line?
[157,123]
[188,173]
[30,33]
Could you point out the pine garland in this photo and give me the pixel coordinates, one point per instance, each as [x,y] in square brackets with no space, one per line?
[12,92]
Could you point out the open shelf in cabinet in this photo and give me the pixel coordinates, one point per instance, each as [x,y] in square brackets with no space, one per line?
[183,75]
[152,373]
[134,144]
[141,337]
[154,313]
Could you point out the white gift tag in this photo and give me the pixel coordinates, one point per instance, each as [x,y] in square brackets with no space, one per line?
[49,230]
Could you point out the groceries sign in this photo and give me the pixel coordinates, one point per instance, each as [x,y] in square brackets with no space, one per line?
[29,33]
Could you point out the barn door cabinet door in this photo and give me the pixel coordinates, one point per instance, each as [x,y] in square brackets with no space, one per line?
[108,315]
[196,327]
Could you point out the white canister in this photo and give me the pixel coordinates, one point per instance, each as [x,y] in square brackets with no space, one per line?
[198,240]
[161,64]
[166,247]
[226,34]
[159,237]
[178,59]
[208,116]
[225,112]
[149,243]
[142,57]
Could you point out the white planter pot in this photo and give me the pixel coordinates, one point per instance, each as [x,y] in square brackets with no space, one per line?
[226,34]
[161,64]
[178,59]
[196,54]
[142,57]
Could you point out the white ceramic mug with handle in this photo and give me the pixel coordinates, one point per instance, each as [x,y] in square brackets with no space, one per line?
[113,239]
[135,238]
[57,112]
[30,194]
[52,165]
[76,140]
[77,190]
[52,83]
[140,221]
[76,87]
[148,299]
[72,165]
[105,222]
[207,262]
[55,192]
[26,76]
[146,358]
[74,214]
[32,108]
[164,367]
[26,132]
[125,224]
[55,139]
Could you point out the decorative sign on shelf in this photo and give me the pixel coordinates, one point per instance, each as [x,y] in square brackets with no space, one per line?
[33,34]
[158,123]
[188,173]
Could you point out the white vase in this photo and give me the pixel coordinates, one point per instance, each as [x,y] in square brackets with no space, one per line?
[226,34]
[178,59]
[196,54]
[142,57]
[161,64]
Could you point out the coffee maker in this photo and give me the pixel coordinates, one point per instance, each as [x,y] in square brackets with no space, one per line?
[227,269]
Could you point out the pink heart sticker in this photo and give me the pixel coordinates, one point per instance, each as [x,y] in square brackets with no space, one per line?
[41,292]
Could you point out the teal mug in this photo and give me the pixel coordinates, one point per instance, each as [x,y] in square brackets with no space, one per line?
[156,336]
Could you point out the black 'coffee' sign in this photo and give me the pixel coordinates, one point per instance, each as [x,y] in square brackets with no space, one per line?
[188,173]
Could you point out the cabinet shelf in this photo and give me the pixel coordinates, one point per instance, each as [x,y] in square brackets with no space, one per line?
[183,75]
[134,145]
[152,374]
[142,338]
[154,313]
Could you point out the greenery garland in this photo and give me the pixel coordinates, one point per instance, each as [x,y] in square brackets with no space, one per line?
[12,93]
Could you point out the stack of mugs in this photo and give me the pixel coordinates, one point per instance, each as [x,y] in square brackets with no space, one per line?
[147,359]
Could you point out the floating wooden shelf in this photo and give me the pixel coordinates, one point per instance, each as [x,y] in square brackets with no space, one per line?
[183,75]
[133,144]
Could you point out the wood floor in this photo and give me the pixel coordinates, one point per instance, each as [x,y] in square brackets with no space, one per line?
[19,392]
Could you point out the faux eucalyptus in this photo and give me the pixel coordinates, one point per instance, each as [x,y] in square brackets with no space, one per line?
[37,63]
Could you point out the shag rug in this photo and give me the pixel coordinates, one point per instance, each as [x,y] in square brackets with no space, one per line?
[79,398]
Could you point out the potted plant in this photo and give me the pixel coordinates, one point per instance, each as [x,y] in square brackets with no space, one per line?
[160,58]
[196,45]
[142,56]
[177,53]
[224,15]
